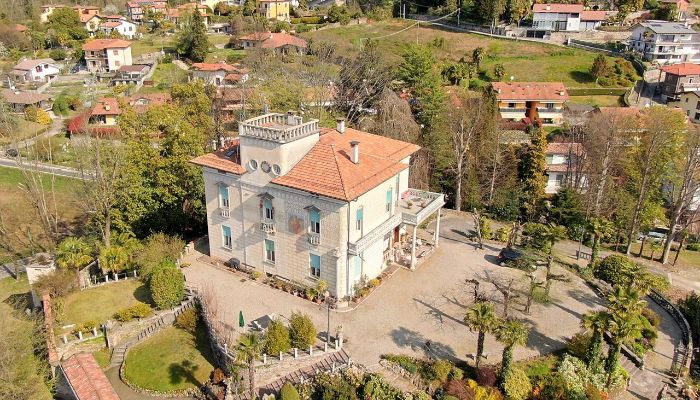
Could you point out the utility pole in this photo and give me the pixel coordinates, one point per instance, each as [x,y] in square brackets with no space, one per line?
[459,11]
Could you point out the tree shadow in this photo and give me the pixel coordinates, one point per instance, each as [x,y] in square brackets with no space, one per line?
[143,295]
[19,302]
[437,314]
[404,337]
[581,76]
[492,259]
[543,344]
[183,372]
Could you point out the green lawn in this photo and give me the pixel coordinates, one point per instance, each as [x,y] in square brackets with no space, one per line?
[21,219]
[151,44]
[599,100]
[689,259]
[220,55]
[100,304]
[25,130]
[102,357]
[523,60]
[164,77]
[172,359]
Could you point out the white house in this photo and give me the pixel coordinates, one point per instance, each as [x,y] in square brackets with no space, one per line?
[290,199]
[665,42]
[219,74]
[123,27]
[563,164]
[107,55]
[41,70]
[566,17]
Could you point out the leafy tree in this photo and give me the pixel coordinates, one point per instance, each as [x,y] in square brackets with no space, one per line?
[518,10]
[567,210]
[616,269]
[499,71]
[532,173]
[156,248]
[192,40]
[600,67]
[490,10]
[8,122]
[510,333]
[289,392]
[248,350]
[73,253]
[596,323]
[625,301]
[23,370]
[302,331]
[481,318]
[167,287]
[113,258]
[57,283]
[277,338]
[64,25]
[338,13]
[249,8]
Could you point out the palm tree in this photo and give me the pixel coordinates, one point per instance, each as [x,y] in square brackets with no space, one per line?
[599,228]
[481,318]
[621,328]
[73,253]
[510,333]
[113,258]
[625,301]
[597,324]
[249,348]
[552,234]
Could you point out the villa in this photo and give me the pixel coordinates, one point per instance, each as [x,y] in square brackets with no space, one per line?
[534,101]
[304,203]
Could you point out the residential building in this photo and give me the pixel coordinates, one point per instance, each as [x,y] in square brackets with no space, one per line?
[47,10]
[40,70]
[20,101]
[282,43]
[682,7]
[564,162]
[92,23]
[80,377]
[177,14]
[131,74]
[665,42]
[566,17]
[219,74]
[293,200]
[676,79]
[143,101]
[536,101]
[105,112]
[274,9]
[107,55]
[689,102]
[123,27]
[230,102]
[136,9]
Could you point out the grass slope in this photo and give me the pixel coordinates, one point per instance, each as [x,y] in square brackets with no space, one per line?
[172,359]
[99,304]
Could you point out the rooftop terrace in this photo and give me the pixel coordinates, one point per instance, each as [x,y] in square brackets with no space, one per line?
[275,127]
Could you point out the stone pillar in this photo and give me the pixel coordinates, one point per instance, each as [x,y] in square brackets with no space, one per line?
[437,229]
[311,350]
[296,353]
[65,339]
[94,331]
[325,347]
[413,248]
[280,356]
[264,358]
[80,335]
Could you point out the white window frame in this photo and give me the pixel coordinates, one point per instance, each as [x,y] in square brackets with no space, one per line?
[228,245]
[268,259]
[312,269]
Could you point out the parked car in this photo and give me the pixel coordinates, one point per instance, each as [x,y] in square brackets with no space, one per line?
[657,234]
[509,254]
[11,153]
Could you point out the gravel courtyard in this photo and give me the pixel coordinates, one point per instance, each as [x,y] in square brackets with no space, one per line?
[413,307]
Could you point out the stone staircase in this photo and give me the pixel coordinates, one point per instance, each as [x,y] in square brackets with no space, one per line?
[118,355]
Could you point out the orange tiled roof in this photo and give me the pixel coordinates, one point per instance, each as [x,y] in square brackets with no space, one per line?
[87,379]
[141,102]
[106,106]
[530,91]
[619,112]
[594,15]
[213,67]
[558,8]
[110,24]
[218,159]
[564,148]
[21,28]
[101,44]
[275,40]
[682,69]
[327,169]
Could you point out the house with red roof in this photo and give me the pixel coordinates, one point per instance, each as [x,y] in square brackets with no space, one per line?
[37,70]
[80,377]
[177,14]
[219,74]
[677,79]
[19,101]
[137,9]
[566,17]
[306,203]
[121,26]
[564,166]
[535,101]
[282,43]
[105,112]
[107,55]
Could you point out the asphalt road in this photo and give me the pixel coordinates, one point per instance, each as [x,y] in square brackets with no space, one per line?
[41,167]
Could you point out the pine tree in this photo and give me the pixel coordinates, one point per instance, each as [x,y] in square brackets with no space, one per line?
[600,67]
[532,173]
[193,42]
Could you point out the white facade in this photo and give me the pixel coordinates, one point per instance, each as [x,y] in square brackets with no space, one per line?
[125,28]
[556,21]
[43,70]
[296,234]
[108,59]
[665,42]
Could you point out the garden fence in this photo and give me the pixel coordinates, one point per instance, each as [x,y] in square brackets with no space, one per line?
[685,348]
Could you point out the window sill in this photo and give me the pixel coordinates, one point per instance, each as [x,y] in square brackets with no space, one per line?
[268,262]
[229,248]
[314,278]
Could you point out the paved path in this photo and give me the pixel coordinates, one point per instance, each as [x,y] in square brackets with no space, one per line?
[126,393]
[41,167]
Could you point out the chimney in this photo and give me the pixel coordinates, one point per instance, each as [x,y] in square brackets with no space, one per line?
[548,7]
[291,118]
[106,107]
[355,156]
[340,125]
[498,90]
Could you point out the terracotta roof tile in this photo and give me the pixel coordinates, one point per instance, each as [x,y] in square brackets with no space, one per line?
[682,69]
[87,379]
[275,40]
[558,8]
[110,24]
[26,65]
[218,159]
[106,106]
[530,91]
[29,97]
[213,67]
[564,148]
[101,44]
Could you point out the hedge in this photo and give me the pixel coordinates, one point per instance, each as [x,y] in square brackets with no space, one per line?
[597,91]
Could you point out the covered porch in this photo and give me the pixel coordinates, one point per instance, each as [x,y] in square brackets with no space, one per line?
[416,206]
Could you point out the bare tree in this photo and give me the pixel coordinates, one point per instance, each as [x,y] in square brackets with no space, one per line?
[507,292]
[684,184]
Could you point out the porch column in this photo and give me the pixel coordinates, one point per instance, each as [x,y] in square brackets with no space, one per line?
[437,229]
[413,248]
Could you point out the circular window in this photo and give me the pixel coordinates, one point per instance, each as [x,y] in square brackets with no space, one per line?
[276,169]
[265,166]
[252,165]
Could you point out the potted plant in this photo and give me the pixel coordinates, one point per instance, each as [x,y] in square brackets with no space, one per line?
[310,293]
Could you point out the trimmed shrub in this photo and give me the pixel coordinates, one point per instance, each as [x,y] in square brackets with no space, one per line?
[486,376]
[405,362]
[578,344]
[516,385]
[156,248]
[616,269]
[302,331]
[289,392]
[167,288]
[188,320]
[138,310]
[277,338]
[693,246]
[441,370]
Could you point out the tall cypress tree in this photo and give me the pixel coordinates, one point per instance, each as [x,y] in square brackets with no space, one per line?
[193,42]
[532,173]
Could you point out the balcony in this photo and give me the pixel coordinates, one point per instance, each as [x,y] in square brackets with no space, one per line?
[690,87]
[267,226]
[374,235]
[416,205]
[313,238]
[224,212]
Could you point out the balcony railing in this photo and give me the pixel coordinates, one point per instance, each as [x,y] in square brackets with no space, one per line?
[267,226]
[224,212]
[514,110]
[419,204]
[313,238]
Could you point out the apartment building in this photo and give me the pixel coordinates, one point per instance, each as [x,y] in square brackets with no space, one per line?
[564,161]
[107,55]
[566,17]
[535,101]
[290,199]
[665,42]
[274,9]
